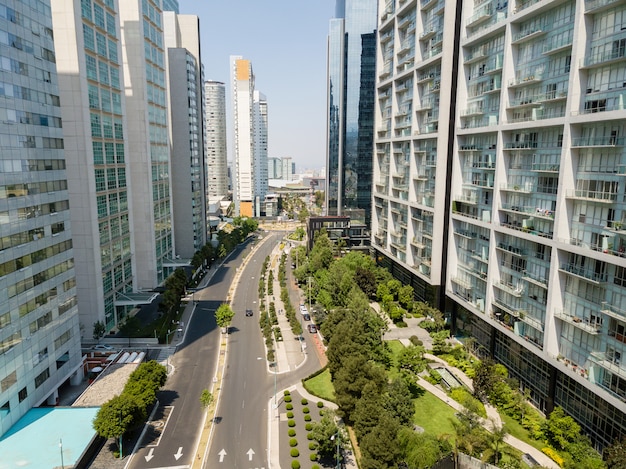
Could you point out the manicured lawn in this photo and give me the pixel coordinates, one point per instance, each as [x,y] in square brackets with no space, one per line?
[321,386]
[519,432]
[396,347]
[433,415]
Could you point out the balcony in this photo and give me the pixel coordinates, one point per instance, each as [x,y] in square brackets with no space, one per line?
[528,34]
[593,196]
[535,279]
[584,273]
[609,362]
[604,58]
[614,312]
[483,14]
[526,79]
[608,141]
[596,6]
[514,290]
[466,199]
[557,44]
[580,323]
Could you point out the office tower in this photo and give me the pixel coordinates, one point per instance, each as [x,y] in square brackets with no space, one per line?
[287,169]
[89,61]
[260,150]
[351,85]
[39,324]
[170,5]
[516,176]
[242,79]
[274,168]
[148,142]
[184,82]
[215,141]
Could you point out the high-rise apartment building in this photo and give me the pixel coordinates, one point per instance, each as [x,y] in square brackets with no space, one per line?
[144,75]
[247,115]
[351,89]
[39,324]
[502,199]
[260,149]
[215,140]
[89,60]
[184,84]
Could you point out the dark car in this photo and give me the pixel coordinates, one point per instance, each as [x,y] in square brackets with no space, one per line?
[248,312]
[306,317]
[312,328]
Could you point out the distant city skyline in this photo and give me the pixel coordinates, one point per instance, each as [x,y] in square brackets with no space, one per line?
[289,59]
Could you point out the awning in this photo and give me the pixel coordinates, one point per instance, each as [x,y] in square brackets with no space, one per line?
[133,299]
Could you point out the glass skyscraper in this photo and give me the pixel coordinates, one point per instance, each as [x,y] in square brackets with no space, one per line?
[351,89]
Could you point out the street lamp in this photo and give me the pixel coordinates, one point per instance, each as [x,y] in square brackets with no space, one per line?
[61,448]
[338,435]
[121,451]
[169,333]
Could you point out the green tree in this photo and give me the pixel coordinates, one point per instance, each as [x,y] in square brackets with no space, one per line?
[319,198]
[119,415]
[411,361]
[421,450]
[206,398]
[366,280]
[560,429]
[495,444]
[98,330]
[324,433]
[367,410]
[380,447]
[398,402]
[224,315]
[405,296]
[615,454]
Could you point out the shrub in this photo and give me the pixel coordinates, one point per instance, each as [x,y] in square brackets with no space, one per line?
[291,423]
[305,410]
[304,401]
[315,466]
[286,392]
[415,340]
[293,442]
[313,457]
[552,454]
[322,412]
[295,464]
[289,406]
[291,432]
[309,436]
[294,452]
[308,427]
[290,415]
[307,418]
[320,404]
[401,324]
[312,446]
[287,398]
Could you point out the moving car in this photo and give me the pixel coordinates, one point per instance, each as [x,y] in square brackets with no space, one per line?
[312,328]
[306,316]
[104,347]
[248,312]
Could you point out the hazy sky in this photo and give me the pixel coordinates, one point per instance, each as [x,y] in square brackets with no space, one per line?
[286,42]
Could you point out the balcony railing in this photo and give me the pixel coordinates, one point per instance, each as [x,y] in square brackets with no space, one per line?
[604,57]
[586,273]
[608,141]
[586,194]
[593,5]
[581,323]
[609,362]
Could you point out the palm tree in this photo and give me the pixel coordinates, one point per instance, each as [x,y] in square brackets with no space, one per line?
[495,443]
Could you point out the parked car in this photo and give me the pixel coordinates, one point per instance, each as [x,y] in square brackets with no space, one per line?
[306,316]
[312,328]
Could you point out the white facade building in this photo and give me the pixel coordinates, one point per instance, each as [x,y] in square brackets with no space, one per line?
[517,177]
[39,324]
[242,80]
[184,83]
[215,140]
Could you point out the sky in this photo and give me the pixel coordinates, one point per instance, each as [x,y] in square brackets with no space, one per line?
[285,40]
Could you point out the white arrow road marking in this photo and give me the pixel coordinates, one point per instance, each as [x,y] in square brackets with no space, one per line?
[150,455]
[179,454]
[222,454]
[250,453]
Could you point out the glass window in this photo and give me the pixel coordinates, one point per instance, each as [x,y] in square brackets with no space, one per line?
[101,44]
[112,51]
[96,128]
[107,127]
[110,19]
[94,100]
[92,72]
[85,9]
[100,183]
[103,70]
[88,35]
[98,155]
[98,16]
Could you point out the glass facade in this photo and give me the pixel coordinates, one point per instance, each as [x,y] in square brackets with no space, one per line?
[39,331]
[351,92]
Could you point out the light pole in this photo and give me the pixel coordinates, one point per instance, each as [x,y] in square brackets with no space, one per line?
[274,365]
[121,450]
[338,437]
[61,448]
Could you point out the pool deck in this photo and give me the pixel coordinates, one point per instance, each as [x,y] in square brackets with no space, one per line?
[44,435]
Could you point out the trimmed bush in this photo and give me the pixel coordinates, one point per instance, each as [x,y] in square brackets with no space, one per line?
[287,393]
[312,446]
[293,442]
[304,401]
[294,452]
[296,464]
[320,404]
[315,466]
[291,432]
[287,398]
[308,427]
[291,423]
[307,418]
[322,412]
[305,410]
[289,406]
[313,457]
[309,436]
[290,415]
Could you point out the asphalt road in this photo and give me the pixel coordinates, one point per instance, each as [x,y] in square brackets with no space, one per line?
[240,433]
[179,418]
